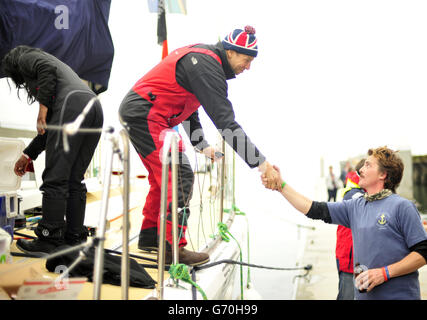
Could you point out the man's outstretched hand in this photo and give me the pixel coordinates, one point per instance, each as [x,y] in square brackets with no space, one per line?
[270,176]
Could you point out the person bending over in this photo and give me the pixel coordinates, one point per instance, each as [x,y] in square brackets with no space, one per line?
[62,96]
[170,94]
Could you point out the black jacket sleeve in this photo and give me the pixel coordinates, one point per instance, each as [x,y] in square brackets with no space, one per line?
[319,211]
[36,146]
[205,78]
[421,248]
[40,75]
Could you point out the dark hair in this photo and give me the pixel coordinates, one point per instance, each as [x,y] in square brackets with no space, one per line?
[11,69]
[390,163]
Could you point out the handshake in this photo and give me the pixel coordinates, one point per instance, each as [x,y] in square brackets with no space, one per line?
[270,176]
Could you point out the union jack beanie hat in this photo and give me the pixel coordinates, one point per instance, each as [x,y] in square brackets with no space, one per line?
[242,41]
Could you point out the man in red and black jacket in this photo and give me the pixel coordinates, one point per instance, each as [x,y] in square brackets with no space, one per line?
[170,94]
[344,246]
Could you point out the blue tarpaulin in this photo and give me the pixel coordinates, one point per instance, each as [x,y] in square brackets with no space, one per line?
[75,31]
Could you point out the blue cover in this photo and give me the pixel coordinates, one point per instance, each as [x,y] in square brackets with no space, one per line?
[6,223]
[74,31]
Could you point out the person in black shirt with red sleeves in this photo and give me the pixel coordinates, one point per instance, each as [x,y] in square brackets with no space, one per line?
[170,94]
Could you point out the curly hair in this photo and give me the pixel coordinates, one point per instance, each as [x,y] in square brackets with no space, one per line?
[10,68]
[391,164]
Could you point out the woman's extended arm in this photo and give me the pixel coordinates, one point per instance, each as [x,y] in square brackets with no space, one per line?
[297,200]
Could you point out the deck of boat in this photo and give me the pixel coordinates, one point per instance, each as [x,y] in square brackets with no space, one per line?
[200,228]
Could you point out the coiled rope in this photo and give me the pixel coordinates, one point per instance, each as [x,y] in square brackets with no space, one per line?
[180,272]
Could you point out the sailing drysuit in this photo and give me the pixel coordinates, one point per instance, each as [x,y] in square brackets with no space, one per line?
[166,96]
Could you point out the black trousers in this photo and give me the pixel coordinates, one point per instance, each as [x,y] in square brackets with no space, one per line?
[332,194]
[64,193]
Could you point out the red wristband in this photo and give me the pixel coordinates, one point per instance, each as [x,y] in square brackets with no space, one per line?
[384,274]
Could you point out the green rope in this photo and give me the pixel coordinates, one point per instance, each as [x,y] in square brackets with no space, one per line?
[224,232]
[180,272]
[237,211]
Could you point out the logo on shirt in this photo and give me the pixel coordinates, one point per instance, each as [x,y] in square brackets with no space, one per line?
[382,220]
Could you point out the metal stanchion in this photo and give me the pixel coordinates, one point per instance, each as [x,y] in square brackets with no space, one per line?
[99,252]
[126,225]
[221,203]
[171,140]
[174,169]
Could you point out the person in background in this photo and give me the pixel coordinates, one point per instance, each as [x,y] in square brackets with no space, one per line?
[331,185]
[344,245]
[170,94]
[343,176]
[62,96]
[389,240]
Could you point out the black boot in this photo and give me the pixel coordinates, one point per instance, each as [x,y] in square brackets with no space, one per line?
[148,240]
[75,232]
[49,237]
[73,239]
[49,231]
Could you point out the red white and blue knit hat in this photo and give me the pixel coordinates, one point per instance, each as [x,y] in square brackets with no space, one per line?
[242,41]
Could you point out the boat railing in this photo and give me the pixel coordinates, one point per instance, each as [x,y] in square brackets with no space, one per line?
[112,148]
[170,147]
[125,262]
[170,157]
